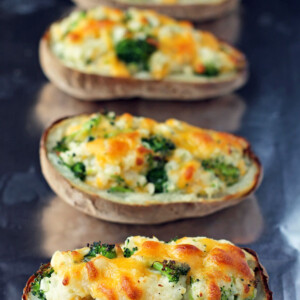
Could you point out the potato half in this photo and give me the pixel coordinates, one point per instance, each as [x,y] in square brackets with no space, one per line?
[151,269]
[139,207]
[172,74]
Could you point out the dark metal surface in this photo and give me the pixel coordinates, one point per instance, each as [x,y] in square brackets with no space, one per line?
[34,222]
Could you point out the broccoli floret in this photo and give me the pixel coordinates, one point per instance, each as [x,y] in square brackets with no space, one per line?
[121,186]
[96,248]
[226,172]
[80,15]
[159,144]
[90,138]
[210,70]
[127,252]
[157,173]
[158,176]
[119,189]
[35,288]
[227,294]
[79,170]
[119,180]
[171,269]
[90,124]
[85,130]
[61,146]
[136,51]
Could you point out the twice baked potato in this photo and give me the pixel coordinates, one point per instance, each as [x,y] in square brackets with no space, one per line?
[146,268]
[105,53]
[194,10]
[135,170]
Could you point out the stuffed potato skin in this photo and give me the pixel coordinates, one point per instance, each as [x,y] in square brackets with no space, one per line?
[186,268]
[117,201]
[177,62]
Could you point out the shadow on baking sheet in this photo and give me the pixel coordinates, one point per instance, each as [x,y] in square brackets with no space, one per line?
[63,227]
[223,113]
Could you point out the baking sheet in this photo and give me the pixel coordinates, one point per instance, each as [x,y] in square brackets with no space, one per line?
[34,222]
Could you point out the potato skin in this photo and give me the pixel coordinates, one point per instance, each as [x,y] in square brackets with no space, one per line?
[261,276]
[155,213]
[193,12]
[93,87]
[27,287]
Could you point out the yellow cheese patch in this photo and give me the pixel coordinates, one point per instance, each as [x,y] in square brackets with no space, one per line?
[214,269]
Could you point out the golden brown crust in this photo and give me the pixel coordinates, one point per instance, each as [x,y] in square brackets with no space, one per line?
[260,274]
[155,213]
[93,87]
[194,12]
[27,287]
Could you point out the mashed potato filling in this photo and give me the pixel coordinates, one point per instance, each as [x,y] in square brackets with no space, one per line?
[146,268]
[141,44]
[135,155]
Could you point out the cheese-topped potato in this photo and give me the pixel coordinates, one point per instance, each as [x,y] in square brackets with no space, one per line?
[139,43]
[197,10]
[138,46]
[146,268]
[139,161]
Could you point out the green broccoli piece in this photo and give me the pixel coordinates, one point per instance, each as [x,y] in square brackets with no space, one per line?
[90,124]
[85,130]
[127,252]
[227,294]
[96,248]
[121,186]
[226,172]
[80,15]
[159,144]
[35,288]
[61,146]
[91,138]
[79,170]
[135,51]
[119,189]
[157,173]
[158,176]
[171,269]
[211,70]
[119,180]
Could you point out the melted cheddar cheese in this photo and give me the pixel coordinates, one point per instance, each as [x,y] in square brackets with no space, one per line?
[214,270]
[136,155]
[141,44]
